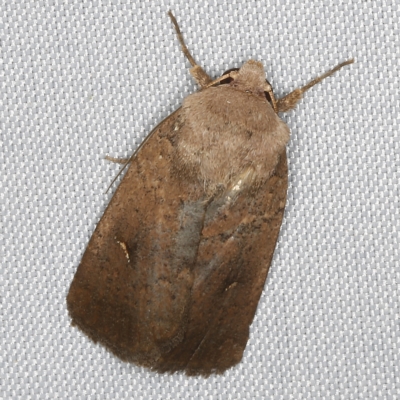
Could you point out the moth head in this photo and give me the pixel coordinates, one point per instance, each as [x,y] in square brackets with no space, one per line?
[249,78]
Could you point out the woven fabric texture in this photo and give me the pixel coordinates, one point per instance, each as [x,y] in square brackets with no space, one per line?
[83,79]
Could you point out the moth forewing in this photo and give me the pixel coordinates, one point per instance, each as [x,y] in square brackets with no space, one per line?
[172,275]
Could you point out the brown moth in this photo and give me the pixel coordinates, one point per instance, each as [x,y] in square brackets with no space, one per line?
[173,273]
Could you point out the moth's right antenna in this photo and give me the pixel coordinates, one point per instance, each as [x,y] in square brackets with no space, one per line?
[289,101]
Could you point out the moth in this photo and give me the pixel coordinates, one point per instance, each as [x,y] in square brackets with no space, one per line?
[173,273]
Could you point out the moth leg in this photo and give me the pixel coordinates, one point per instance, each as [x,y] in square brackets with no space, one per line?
[290,101]
[196,71]
[117,160]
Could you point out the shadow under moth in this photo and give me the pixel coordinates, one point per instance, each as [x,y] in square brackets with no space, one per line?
[173,273]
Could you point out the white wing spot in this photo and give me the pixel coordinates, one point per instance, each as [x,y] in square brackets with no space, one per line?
[231,286]
[237,186]
[125,249]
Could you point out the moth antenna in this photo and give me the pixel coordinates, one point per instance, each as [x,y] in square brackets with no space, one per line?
[325,75]
[290,101]
[185,50]
[196,71]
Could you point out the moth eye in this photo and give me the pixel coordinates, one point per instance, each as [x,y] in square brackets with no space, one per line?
[268,97]
[228,80]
